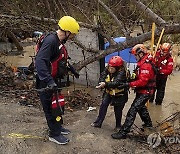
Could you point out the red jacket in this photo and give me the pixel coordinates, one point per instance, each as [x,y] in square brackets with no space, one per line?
[145,82]
[164,64]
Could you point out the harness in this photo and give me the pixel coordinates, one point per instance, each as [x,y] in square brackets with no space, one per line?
[59,63]
[113,91]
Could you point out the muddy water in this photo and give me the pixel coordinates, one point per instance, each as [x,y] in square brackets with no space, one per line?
[171,103]
[21,59]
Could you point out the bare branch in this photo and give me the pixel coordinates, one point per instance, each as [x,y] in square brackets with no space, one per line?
[56,6]
[49,8]
[150,14]
[169,29]
[63,7]
[15,40]
[110,40]
[81,12]
[83,47]
[121,28]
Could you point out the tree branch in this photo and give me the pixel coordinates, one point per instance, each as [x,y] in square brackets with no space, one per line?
[49,8]
[62,7]
[169,29]
[150,14]
[121,28]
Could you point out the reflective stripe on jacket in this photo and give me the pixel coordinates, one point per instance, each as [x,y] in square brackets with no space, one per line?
[112,91]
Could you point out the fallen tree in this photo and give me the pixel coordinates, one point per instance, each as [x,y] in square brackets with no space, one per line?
[30,23]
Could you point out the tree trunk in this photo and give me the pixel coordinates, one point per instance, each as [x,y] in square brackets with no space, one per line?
[14,39]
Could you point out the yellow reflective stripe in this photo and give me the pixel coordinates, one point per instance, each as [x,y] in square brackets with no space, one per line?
[108,78]
[114,91]
[14,135]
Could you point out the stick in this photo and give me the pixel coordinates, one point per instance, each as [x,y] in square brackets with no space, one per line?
[152,51]
[162,32]
[152,37]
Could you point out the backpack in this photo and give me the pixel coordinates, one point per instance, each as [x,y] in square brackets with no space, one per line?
[41,39]
[39,42]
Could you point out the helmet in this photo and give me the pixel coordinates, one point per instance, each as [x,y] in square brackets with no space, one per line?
[68,23]
[137,49]
[165,47]
[115,61]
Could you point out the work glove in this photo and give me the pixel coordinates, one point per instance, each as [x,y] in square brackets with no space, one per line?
[123,85]
[52,86]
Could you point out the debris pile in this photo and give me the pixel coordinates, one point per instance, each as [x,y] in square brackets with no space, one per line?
[78,99]
[24,90]
[6,77]
[170,132]
[163,138]
[13,86]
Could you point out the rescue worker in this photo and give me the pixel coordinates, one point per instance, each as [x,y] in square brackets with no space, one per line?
[164,64]
[50,63]
[144,86]
[109,80]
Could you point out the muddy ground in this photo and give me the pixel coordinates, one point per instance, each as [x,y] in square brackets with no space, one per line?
[29,120]
[26,120]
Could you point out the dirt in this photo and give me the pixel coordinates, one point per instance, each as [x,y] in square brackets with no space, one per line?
[17,119]
[84,138]
[25,120]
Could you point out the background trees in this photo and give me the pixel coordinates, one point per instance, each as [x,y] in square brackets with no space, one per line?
[111,18]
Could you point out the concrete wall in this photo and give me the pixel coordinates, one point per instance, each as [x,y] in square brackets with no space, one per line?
[90,40]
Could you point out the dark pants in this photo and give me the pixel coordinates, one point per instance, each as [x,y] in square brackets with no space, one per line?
[54,126]
[138,106]
[107,99]
[160,90]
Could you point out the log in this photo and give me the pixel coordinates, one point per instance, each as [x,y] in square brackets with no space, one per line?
[11,35]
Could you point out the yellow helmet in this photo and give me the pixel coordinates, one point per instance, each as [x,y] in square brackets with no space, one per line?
[68,23]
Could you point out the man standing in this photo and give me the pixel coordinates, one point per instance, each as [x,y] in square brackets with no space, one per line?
[144,86]
[164,64]
[51,62]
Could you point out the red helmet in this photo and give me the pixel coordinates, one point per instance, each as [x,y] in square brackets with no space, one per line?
[165,47]
[115,61]
[138,49]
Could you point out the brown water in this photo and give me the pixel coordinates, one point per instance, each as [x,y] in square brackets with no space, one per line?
[171,103]
[20,59]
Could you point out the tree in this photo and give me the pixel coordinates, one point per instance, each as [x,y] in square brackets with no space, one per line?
[107,11]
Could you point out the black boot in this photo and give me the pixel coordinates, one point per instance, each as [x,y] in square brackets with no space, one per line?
[147,125]
[158,103]
[119,135]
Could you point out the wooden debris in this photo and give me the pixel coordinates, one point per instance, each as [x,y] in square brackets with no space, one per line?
[79,100]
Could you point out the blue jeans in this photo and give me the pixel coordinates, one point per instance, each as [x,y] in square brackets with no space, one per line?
[107,99]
